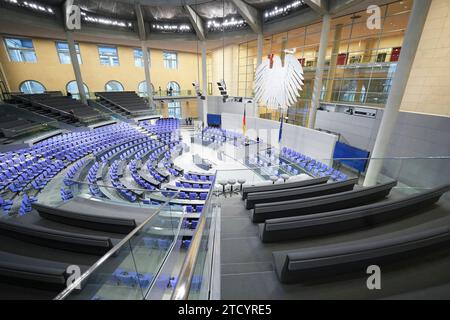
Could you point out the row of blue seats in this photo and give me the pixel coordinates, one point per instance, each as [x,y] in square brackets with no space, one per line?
[195,177]
[184,195]
[66,194]
[137,178]
[312,166]
[192,185]
[68,180]
[127,194]
[25,206]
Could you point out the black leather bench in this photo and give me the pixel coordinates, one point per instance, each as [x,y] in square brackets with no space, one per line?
[299,193]
[348,219]
[28,270]
[55,238]
[349,199]
[282,186]
[86,220]
[355,256]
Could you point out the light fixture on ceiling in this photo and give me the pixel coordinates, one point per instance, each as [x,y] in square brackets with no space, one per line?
[283,10]
[171,27]
[105,21]
[227,23]
[35,6]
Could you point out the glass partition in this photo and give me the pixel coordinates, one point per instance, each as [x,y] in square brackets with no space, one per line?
[131,269]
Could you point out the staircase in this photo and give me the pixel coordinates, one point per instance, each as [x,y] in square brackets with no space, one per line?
[37,110]
[114,109]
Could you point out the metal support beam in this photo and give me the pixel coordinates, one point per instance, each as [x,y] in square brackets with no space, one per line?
[140,22]
[204,84]
[148,82]
[145,53]
[411,41]
[315,101]
[320,6]
[251,15]
[196,22]
[76,66]
[341,5]
[260,47]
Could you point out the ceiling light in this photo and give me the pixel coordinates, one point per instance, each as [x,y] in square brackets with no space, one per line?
[283,10]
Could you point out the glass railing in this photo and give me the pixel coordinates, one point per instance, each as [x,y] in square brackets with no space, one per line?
[132,269]
[166,94]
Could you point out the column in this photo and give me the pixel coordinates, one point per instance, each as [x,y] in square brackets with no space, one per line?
[333,62]
[315,101]
[260,46]
[204,84]
[76,66]
[146,58]
[391,111]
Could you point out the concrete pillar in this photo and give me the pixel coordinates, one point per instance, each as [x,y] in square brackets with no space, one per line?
[333,62]
[76,66]
[146,58]
[260,47]
[315,101]
[204,84]
[391,111]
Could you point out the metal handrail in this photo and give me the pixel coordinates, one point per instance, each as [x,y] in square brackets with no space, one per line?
[62,295]
[181,291]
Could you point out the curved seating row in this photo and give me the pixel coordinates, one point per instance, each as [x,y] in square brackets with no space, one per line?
[309,263]
[88,218]
[30,270]
[265,211]
[299,193]
[55,238]
[347,219]
[281,186]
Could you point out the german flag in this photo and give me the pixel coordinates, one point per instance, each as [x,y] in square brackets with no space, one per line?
[244,121]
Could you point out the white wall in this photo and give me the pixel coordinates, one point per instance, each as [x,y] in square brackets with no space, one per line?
[217,106]
[315,144]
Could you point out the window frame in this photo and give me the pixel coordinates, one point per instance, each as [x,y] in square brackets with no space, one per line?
[78,93]
[141,58]
[30,80]
[99,46]
[168,62]
[8,49]
[77,49]
[106,84]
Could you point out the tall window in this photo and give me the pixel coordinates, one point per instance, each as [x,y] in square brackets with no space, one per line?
[113,86]
[108,56]
[142,88]
[138,58]
[174,109]
[20,50]
[63,52]
[73,89]
[170,60]
[173,89]
[31,86]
